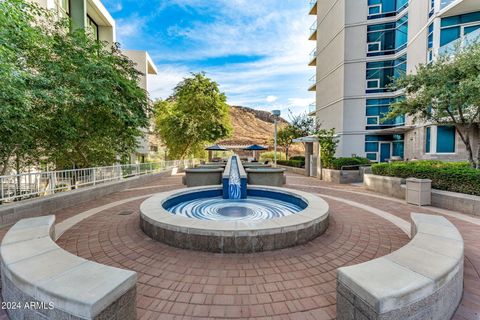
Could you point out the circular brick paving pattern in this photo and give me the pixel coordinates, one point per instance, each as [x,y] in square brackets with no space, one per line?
[293,283]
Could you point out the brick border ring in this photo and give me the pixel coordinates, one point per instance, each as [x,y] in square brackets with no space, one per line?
[234,236]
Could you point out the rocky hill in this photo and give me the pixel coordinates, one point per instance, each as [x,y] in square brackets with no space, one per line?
[251,126]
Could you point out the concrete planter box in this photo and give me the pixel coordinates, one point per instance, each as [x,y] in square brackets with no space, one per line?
[267,177]
[419,191]
[341,177]
[255,165]
[390,186]
[465,203]
[293,169]
[203,177]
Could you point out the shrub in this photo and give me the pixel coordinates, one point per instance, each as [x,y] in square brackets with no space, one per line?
[301,158]
[269,156]
[338,163]
[292,163]
[448,176]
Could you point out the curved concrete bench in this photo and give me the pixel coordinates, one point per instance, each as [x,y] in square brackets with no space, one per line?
[266,176]
[202,177]
[35,269]
[422,280]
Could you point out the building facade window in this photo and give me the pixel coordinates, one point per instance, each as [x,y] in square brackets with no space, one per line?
[378,9]
[376,110]
[66,6]
[456,27]
[380,74]
[431,8]
[92,26]
[445,139]
[440,139]
[387,38]
[381,148]
[428,135]
[430,43]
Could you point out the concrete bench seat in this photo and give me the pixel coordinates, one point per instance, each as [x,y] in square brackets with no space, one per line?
[35,269]
[422,280]
[196,177]
[266,176]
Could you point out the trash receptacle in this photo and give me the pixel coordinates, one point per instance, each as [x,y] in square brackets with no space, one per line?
[419,191]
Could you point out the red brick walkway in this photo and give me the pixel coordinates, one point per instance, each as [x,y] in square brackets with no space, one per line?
[293,283]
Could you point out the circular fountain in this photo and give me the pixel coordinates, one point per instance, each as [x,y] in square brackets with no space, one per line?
[233,217]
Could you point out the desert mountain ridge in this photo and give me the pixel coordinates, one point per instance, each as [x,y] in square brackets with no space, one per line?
[251,126]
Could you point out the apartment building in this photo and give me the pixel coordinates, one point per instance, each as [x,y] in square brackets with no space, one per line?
[93,15]
[361,45]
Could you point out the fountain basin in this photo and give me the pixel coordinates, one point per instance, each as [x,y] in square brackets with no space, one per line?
[234,234]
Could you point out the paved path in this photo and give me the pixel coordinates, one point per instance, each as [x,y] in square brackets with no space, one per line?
[294,283]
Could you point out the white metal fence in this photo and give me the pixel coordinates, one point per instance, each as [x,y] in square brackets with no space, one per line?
[29,185]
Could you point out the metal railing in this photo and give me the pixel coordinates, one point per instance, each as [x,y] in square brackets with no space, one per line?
[313,27]
[312,3]
[30,185]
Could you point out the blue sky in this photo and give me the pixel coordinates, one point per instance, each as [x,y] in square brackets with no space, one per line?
[257,50]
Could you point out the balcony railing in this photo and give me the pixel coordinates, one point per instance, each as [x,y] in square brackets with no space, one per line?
[313,7]
[313,57]
[312,107]
[452,47]
[30,185]
[445,3]
[313,83]
[313,31]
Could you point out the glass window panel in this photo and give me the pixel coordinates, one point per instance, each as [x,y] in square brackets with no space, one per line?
[371,146]
[471,29]
[445,139]
[448,35]
[428,131]
[371,156]
[372,120]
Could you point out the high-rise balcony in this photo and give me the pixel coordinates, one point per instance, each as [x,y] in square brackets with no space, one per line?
[313,58]
[456,7]
[452,47]
[313,31]
[312,109]
[313,7]
[313,83]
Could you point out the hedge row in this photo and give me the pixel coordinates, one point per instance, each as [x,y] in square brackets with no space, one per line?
[292,163]
[448,176]
[338,163]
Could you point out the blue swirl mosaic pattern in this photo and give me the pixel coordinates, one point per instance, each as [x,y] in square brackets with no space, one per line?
[252,208]
[234,187]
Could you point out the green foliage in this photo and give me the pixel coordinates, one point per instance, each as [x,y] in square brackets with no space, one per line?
[445,91]
[292,163]
[338,163]
[195,115]
[65,97]
[269,155]
[449,176]
[328,146]
[285,137]
[301,158]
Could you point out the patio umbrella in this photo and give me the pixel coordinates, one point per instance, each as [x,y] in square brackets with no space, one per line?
[255,148]
[215,147]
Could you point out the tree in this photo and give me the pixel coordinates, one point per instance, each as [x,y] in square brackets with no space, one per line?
[65,96]
[303,125]
[285,138]
[195,114]
[446,92]
[328,146]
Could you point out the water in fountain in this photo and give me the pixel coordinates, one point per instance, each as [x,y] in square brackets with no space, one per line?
[234,184]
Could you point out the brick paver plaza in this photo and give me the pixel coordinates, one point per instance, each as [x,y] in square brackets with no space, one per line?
[294,283]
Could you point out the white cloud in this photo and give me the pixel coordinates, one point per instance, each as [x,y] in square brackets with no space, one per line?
[160,86]
[271,98]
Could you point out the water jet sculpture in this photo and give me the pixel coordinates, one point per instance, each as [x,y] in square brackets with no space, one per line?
[233,217]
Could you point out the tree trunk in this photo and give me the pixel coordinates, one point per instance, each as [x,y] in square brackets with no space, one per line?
[466,141]
[286,153]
